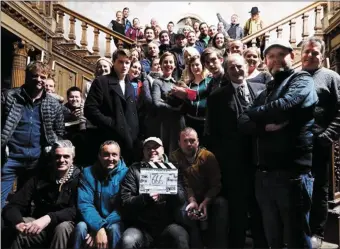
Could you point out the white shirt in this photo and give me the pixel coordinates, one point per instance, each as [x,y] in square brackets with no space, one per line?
[122,86]
[246,90]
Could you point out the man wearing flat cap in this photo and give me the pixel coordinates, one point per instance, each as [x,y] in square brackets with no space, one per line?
[281,120]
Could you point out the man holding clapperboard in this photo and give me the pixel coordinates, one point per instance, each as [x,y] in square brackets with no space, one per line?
[150,196]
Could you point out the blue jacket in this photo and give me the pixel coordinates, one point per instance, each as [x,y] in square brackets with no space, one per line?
[97,195]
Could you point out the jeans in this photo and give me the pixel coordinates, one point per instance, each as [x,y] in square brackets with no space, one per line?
[217,225]
[21,168]
[285,201]
[173,236]
[320,169]
[56,237]
[113,233]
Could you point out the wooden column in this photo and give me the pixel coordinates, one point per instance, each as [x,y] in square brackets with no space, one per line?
[305,32]
[72,34]
[20,54]
[292,35]
[83,41]
[318,25]
[60,25]
[279,32]
[95,47]
[108,46]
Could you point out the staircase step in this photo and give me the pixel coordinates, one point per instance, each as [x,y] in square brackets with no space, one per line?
[327,245]
[59,40]
[82,52]
[69,45]
[92,58]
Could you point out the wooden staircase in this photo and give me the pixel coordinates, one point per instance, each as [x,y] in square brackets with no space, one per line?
[290,24]
[79,48]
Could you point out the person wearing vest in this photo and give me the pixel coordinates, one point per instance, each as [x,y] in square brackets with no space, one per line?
[232,148]
[281,121]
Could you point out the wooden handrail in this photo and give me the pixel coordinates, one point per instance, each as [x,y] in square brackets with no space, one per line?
[59,7]
[283,21]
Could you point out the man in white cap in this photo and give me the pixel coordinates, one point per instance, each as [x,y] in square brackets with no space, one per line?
[281,119]
[150,218]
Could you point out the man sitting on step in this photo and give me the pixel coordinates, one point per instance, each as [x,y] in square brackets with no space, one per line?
[150,218]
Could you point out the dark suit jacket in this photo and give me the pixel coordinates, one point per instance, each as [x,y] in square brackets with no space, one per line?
[112,112]
[224,108]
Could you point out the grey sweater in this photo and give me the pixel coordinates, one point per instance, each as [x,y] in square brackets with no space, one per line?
[327,110]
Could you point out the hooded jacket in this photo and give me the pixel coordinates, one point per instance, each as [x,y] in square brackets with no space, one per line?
[97,193]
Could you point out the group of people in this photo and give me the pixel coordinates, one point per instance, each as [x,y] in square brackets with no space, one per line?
[251,148]
[198,34]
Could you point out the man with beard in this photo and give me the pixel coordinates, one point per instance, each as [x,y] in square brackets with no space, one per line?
[202,179]
[181,42]
[326,130]
[149,35]
[152,52]
[204,38]
[150,218]
[111,106]
[232,149]
[192,41]
[97,202]
[31,122]
[281,121]
[53,192]
[75,122]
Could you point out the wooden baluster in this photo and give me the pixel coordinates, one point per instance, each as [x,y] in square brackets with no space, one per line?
[95,47]
[318,26]
[279,32]
[34,4]
[60,26]
[83,41]
[292,35]
[108,46]
[41,7]
[72,34]
[266,37]
[253,43]
[305,33]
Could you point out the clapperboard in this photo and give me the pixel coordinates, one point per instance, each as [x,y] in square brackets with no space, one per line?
[158,178]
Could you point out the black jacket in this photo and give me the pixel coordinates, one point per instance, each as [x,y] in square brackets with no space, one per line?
[290,97]
[44,192]
[141,211]
[226,140]
[112,112]
[12,105]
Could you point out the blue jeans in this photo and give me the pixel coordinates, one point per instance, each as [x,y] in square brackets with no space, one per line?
[285,200]
[21,168]
[114,233]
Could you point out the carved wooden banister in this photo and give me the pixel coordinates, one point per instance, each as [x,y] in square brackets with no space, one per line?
[288,19]
[98,27]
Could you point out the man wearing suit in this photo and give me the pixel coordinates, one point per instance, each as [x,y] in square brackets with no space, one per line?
[231,148]
[111,106]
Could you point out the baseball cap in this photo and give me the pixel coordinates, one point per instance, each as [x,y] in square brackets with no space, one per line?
[278,43]
[155,139]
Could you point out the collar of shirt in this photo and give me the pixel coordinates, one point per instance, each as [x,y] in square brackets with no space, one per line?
[235,85]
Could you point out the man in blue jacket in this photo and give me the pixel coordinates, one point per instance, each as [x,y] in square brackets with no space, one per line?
[97,203]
